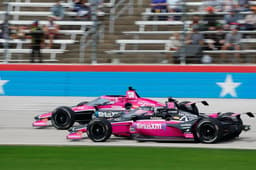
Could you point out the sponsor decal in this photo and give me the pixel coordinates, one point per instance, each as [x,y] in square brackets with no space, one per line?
[131,94]
[106,114]
[156,118]
[143,103]
[149,126]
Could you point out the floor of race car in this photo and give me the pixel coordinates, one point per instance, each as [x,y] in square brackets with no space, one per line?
[17,114]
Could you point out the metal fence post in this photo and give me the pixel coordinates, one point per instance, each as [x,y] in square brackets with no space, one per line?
[94,7]
[183,37]
[6,33]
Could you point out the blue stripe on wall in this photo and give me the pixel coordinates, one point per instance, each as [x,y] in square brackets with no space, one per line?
[148,84]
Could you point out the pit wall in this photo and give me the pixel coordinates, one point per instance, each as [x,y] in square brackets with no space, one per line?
[149,81]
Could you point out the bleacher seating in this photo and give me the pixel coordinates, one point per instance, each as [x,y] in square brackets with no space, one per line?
[126,46]
[141,46]
[165,44]
[51,52]
[19,43]
[20,15]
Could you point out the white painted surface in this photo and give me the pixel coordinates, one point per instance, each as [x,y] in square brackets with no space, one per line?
[17,115]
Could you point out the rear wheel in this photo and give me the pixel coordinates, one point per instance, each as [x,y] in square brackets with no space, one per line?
[239,127]
[99,130]
[63,118]
[208,131]
[236,121]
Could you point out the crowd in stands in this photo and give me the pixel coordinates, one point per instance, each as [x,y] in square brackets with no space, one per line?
[226,27]
[50,30]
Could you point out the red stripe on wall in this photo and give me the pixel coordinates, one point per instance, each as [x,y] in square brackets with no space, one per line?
[127,68]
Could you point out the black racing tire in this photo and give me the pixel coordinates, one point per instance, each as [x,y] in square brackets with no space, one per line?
[238,121]
[208,131]
[82,103]
[99,130]
[63,118]
[240,127]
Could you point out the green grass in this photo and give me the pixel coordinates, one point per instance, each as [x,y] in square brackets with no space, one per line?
[123,158]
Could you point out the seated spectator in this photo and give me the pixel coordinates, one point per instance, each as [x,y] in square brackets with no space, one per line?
[195,37]
[58,11]
[173,45]
[216,4]
[20,33]
[228,5]
[51,30]
[193,48]
[174,6]
[1,30]
[83,11]
[159,6]
[99,3]
[219,38]
[210,19]
[232,42]
[196,21]
[215,41]
[243,5]
[232,18]
[249,21]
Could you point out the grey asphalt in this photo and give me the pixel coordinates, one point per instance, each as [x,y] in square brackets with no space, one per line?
[17,115]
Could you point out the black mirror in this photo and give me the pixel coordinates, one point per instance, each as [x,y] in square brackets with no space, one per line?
[250,114]
[205,103]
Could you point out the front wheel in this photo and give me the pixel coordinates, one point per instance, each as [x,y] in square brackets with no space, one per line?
[208,131]
[63,118]
[99,130]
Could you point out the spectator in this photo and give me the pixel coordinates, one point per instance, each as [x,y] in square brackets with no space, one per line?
[210,19]
[159,6]
[174,6]
[232,42]
[195,37]
[20,32]
[37,35]
[173,45]
[216,4]
[243,5]
[232,18]
[216,40]
[2,30]
[58,11]
[195,22]
[99,3]
[83,11]
[219,38]
[51,30]
[249,21]
[228,5]
[193,48]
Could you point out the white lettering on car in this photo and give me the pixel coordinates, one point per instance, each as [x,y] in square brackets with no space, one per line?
[143,103]
[149,126]
[107,114]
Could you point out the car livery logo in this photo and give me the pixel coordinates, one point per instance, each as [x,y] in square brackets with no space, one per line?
[106,114]
[150,126]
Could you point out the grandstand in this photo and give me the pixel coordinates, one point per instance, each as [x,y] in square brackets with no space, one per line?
[128,33]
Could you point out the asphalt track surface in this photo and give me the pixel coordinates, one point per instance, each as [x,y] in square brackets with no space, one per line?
[17,115]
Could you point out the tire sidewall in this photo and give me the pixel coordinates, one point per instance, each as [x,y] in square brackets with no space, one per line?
[104,125]
[214,124]
[69,113]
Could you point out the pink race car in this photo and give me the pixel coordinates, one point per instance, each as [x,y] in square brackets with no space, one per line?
[106,106]
[173,122]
